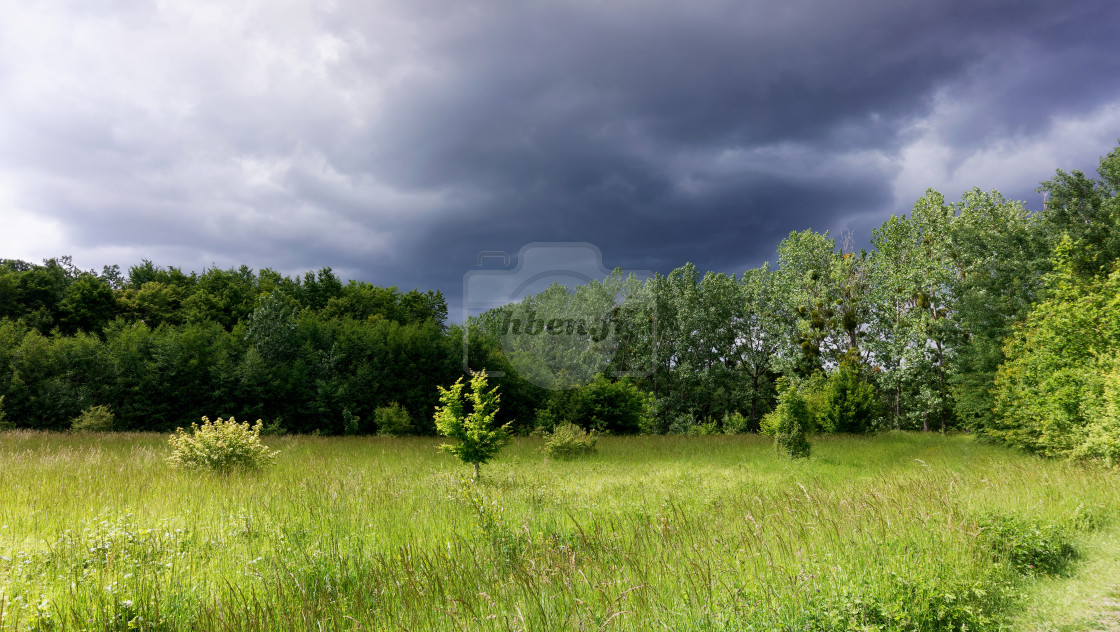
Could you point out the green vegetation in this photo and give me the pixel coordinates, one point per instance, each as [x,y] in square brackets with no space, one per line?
[1088,599]
[1058,392]
[851,401]
[222,446]
[569,441]
[393,421]
[98,532]
[1028,547]
[162,347]
[94,419]
[969,315]
[790,423]
[470,418]
[973,315]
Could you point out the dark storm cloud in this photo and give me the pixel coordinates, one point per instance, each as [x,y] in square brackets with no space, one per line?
[395,142]
[585,125]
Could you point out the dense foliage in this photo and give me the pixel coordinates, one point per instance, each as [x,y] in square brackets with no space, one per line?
[1057,392]
[393,420]
[975,314]
[165,347]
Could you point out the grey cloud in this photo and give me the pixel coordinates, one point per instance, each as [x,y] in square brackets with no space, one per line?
[395,142]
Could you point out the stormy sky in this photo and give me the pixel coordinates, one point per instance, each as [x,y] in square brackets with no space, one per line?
[395,140]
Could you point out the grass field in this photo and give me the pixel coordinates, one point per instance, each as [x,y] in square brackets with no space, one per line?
[651,533]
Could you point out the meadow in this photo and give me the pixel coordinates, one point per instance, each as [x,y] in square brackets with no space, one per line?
[98,532]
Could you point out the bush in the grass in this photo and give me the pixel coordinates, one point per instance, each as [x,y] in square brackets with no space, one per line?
[93,419]
[655,415]
[568,441]
[222,446]
[393,420]
[546,421]
[274,428]
[1029,547]
[605,406]
[734,423]
[814,391]
[851,400]
[682,423]
[706,427]
[351,423]
[790,423]
[924,601]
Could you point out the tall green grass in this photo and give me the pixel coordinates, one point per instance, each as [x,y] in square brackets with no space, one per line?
[97,532]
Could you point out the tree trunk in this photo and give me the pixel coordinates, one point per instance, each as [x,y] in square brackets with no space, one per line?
[475,478]
[941,376]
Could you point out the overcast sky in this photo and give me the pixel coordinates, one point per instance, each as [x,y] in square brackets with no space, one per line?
[395,140]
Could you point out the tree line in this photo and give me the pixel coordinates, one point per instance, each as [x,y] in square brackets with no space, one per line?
[975,314]
[162,347]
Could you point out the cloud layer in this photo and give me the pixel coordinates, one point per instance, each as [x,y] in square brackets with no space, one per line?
[395,140]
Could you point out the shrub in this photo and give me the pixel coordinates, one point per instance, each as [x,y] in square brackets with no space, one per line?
[608,407]
[734,423]
[814,390]
[655,415]
[790,423]
[274,428]
[768,425]
[569,441]
[682,423]
[852,405]
[93,419]
[546,420]
[707,427]
[1057,392]
[222,446]
[351,423]
[1029,547]
[1099,439]
[393,420]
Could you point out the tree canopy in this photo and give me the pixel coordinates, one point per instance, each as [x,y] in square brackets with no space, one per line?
[975,314]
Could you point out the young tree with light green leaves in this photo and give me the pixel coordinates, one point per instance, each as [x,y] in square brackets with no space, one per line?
[470,419]
[1057,392]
